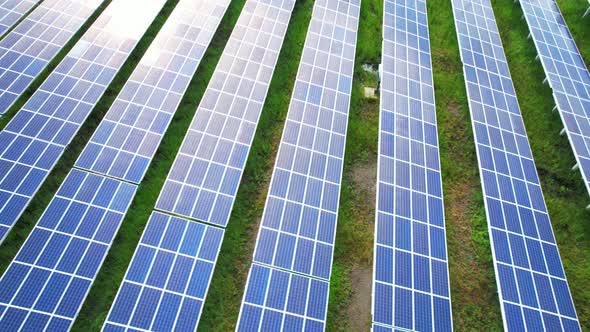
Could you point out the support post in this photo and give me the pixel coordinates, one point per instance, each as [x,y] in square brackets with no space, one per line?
[562,132]
[576,167]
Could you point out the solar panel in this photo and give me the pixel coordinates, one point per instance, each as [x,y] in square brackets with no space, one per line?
[411,279]
[204,178]
[27,49]
[13,10]
[566,73]
[151,299]
[44,286]
[278,300]
[298,226]
[36,137]
[127,138]
[533,289]
[167,281]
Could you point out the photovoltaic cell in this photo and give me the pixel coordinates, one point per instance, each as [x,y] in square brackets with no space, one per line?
[27,49]
[13,10]
[167,280]
[127,138]
[411,280]
[277,300]
[155,294]
[204,178]
[36,137]
[532,285]
[299,222]
[44,286]
[566,73]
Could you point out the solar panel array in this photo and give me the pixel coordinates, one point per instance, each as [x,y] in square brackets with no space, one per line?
[165,286]
[127,138]
[157,291]
[27,49]
[199,18]
[44,286]
[204,178]
[566,73]
[11,11]
[533,289]
[298,226]
[411,279]
[36,137]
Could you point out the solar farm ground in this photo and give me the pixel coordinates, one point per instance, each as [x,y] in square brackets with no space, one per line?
[473,287]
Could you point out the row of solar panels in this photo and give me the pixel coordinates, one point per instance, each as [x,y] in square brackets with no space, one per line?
[168,278]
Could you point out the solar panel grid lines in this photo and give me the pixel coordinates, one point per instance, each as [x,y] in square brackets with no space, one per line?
[534,293]
[11,11]
[297,232]
[127,138]
[566,74]
[204,178]
[411,288]
[279,300]
[34,140]
[26,50]
[167,280]
[44,286]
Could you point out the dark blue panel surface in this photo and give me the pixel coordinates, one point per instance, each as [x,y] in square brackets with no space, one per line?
[168,277]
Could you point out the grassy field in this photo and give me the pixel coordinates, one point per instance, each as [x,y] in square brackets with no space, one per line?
[474,294]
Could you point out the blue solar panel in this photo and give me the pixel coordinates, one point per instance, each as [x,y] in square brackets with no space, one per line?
[127,138]
[298,226]
[204,178]
[277,300]
[534,293]
[566,73]
[27,49]
[36,137]
[45,284]
[299,222]
[411,279]
[168,278]
[11,11]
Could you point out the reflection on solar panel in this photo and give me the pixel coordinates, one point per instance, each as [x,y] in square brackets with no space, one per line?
[298,226]
[127,138]
[45,284]
[36,137]
[153,298]
[204,178]
[13,10]
[27,49]
[534,293]
[167,280]
[169,53]
[566,73]
[277,300]
[411,285]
